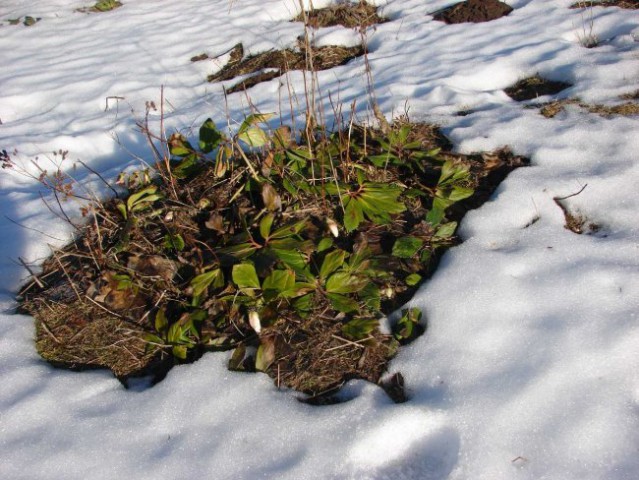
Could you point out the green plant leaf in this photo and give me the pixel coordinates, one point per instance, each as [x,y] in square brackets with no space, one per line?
[289,230]
[299,289]
[353,214]
[254,137]
[280,280]
[324,244]
[342,303]
[413,279]
[371,297]
[245,276]
[359,328]
[161,322]
[254,119]
[214,278]
[142,199]
[344,282]
[151,338]
[383,198]
[179,146]
[407,247]
[408,326]
[304,303]
[293,259]
[180,351]
[174,242]
[332,262]
[446,230]
[240,251]
[265,225]
[122,209]
[210,137]
[437,211]
[189,166]
[459,193]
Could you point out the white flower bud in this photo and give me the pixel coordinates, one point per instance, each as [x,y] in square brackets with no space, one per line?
[254,321]
[332,226]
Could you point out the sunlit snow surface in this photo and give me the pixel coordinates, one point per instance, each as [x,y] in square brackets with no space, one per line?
[529,368]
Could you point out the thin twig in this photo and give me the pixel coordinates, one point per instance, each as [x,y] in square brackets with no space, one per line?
[115,192]
[66,274]
[33,229]
[348,342]
[558,199]
[33,275]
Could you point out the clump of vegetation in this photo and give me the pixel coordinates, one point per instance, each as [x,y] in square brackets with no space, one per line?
[286,248]
[628,4]
[350,15]
[626,109]
[534,87]
[27,21]
[101,6]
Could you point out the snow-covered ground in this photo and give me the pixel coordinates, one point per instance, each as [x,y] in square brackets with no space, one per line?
[530,365]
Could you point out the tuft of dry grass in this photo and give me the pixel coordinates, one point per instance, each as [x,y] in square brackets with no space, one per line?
[627,109]
[534,87]
[627,4]
[350,15]
[265,66]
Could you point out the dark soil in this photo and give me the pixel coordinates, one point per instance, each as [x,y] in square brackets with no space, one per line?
[628,4]
[351,15]
[86,317]
[534,87]
[473,11]
[283,61]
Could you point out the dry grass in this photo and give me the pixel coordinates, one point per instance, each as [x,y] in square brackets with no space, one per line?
[627,109]
[628,4]
[534,87]
[274,63]
[351,15]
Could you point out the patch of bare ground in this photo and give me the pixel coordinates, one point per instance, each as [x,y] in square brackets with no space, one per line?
[627,109]
[534,87]
[630,96]
[178,269]
[350,15]
[473,11]
[265,66]
[628,4]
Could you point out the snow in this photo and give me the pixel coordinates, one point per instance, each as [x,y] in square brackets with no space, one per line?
[529,367]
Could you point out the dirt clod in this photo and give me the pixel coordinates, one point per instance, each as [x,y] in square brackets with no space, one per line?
[534,87]
[473,11]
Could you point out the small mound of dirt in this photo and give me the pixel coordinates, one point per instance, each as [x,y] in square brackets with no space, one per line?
[534,87]
[282,61]
[628,4]
[350,15]
[473,11]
